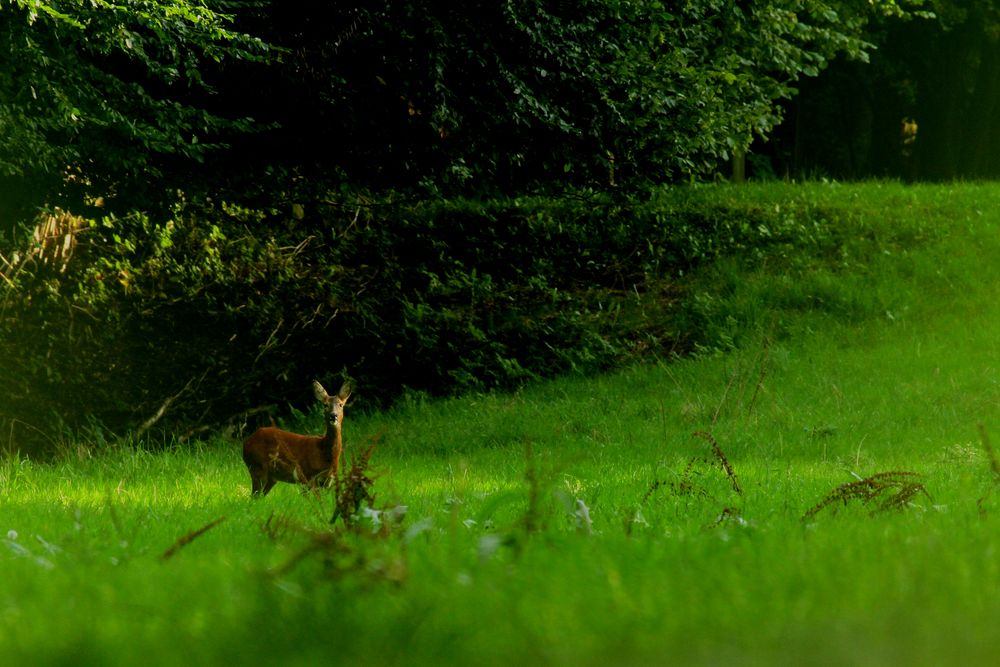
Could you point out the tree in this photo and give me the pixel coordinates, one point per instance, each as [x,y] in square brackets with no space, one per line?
[942,72]
[953,67]
[101,97]
[104,98]
[481,96]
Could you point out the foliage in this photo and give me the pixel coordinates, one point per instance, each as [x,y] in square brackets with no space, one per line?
[485,96]
[203,319]
[104,97]
[102,100]
[184,297]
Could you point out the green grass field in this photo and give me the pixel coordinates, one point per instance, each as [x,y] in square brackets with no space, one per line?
[590,521]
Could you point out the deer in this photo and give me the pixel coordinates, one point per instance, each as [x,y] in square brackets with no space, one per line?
[273,455]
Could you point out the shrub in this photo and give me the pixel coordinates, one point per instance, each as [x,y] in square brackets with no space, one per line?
[218,312]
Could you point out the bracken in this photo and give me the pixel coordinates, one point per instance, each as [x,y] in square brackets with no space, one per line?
[881,492]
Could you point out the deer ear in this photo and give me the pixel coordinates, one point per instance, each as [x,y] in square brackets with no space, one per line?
[321,394]
[345,391]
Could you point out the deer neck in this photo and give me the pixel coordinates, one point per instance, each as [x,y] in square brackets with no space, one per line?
[332,437]
[333,442]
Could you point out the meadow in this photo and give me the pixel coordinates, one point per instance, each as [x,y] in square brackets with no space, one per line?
[816,486]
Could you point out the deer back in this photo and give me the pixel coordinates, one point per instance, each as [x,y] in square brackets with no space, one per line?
[290,457]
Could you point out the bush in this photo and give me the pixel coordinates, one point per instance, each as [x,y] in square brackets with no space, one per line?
[219,312]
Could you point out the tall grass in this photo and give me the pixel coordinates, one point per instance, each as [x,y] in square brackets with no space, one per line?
[658,515]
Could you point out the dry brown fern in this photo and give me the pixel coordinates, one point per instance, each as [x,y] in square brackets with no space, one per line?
[685,484]
[720,456]
[880,492]
[353,488]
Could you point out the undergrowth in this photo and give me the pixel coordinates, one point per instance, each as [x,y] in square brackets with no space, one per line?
[185,325]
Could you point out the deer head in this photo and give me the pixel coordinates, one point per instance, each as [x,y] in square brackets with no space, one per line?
[333,406]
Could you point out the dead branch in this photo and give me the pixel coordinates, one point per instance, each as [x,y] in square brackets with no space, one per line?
[185,540]
[149,423]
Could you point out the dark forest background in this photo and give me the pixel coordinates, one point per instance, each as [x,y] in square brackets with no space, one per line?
[942,73]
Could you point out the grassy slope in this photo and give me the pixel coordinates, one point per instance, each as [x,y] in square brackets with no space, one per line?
[876,360]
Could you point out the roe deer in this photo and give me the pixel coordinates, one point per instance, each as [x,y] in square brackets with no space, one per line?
[273,455]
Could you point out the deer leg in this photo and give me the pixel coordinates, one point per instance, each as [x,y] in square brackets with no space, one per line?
[314,483]
[259,482]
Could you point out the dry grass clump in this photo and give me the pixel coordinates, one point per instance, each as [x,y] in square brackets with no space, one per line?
[686,485]
[354,488]
[360,544]
[881,492]
[720,457]
[364,543]
[342,553]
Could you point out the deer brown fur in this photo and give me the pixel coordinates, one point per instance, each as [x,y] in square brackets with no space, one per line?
[273,455]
